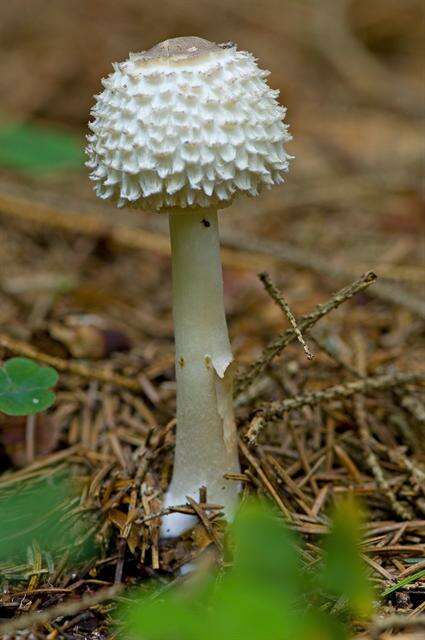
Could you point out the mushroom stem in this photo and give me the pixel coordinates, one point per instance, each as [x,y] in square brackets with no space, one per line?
[206,442]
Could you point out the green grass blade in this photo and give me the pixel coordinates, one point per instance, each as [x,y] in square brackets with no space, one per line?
[402,583]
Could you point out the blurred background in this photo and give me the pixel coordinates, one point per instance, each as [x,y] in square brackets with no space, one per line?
[81,280]
[350,73]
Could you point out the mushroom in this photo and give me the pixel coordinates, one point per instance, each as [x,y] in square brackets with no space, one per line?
[184,128]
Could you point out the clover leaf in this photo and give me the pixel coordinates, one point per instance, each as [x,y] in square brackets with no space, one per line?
[25,387]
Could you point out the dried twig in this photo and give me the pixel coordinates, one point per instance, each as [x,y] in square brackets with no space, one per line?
[324,345]
[68,608]
[276,410]
[280,300]
[200,512]
[85,371]
[396,621]
[269,488]
[362,421]
[244,380]
[416,471]
[185,509]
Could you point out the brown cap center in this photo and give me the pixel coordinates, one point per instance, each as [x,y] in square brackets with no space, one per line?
[187,47]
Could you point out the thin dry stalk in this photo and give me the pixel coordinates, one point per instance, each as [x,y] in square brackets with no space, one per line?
[365,436]
[70,366]
[396,621]
[68,608]
[268,486]
[281,302]
[244,380]
[276,410]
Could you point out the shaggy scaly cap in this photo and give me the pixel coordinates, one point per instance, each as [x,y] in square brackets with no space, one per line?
[186,124]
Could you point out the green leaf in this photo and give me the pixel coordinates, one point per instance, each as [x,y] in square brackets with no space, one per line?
[35,149]
[266,550]
[25,387]
[265,595]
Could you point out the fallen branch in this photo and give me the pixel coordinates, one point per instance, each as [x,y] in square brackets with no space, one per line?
[276,410]
[244,380]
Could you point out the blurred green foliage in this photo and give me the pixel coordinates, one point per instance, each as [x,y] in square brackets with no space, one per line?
[43,516]
[35,149]
[268,594]
[343,573]
[25,387]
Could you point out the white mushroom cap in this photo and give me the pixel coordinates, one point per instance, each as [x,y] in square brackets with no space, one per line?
[186,124]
